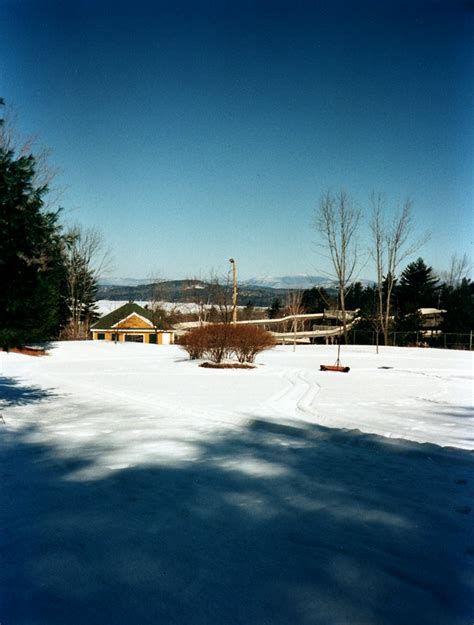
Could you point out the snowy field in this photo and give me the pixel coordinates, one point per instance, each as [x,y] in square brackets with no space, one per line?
[105,306]
[139,488]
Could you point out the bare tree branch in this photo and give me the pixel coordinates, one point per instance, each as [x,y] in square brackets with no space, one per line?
[391,245]
[337,222]
[460,268]
[85,259]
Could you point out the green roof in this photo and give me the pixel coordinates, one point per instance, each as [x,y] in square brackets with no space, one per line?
[109,320]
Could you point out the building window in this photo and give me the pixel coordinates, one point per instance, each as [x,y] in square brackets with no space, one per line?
[101,336]
[134,338]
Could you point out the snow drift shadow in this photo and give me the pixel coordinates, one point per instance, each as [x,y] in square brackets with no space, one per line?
[273,524]
[14,393]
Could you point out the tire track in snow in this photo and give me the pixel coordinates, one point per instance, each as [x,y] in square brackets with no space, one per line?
[80,391]
[297,398]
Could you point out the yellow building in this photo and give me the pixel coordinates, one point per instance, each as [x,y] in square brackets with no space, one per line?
[130,323]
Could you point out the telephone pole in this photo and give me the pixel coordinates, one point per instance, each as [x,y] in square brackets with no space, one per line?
[234,290]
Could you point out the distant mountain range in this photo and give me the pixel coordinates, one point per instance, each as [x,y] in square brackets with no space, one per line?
[258,291]
[185,291]
[124,281]
[299,281]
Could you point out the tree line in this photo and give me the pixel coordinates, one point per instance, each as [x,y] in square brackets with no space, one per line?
[48,273]
[392,303]
[417,287]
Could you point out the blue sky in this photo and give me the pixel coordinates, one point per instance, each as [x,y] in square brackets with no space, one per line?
[189,132]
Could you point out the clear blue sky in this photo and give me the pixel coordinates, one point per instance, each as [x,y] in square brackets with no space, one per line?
[189,132]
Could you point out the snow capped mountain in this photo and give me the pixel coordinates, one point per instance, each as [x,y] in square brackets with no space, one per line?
[124,281]
[299,281]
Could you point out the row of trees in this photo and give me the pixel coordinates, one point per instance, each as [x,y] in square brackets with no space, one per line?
[48,275]
[417,287]
[393,240]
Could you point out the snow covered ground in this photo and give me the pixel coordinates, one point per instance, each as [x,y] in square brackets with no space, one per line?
[139,488]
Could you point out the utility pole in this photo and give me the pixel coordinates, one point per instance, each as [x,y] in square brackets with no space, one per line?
[234,290]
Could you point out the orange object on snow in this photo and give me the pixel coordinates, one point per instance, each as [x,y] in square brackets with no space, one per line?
[335,368]
[337,365]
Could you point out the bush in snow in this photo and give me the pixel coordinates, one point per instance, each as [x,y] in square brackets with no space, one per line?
[211,341]
[220,341]
[248,341]
[194,342]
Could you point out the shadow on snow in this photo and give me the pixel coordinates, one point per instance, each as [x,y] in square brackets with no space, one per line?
[271,525]
[15,393]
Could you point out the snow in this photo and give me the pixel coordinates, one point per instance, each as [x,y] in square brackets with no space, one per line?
[104,306]
[137,487]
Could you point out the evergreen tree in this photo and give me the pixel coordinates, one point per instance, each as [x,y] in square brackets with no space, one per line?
[458,301]
[275,309]
[357,296]
[368,327]
[418,288]
[248,311]
[31,268]
[315,300]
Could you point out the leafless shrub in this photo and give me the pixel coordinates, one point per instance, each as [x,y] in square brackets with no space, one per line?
[194,342]
[211,341]
[248,341]
[220,341]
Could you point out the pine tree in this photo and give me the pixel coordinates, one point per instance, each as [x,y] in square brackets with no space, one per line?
[418,288]
[356,296]
[458,301]
[31,267]
[316,299]
[275,309]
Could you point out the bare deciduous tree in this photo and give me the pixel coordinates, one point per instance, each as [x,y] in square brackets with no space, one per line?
[156,304]
[391,245]
[162,315]
[85,259]
[294,307]
[460,267]
[44,172]
[337,221]
[199,294]
[220,294]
